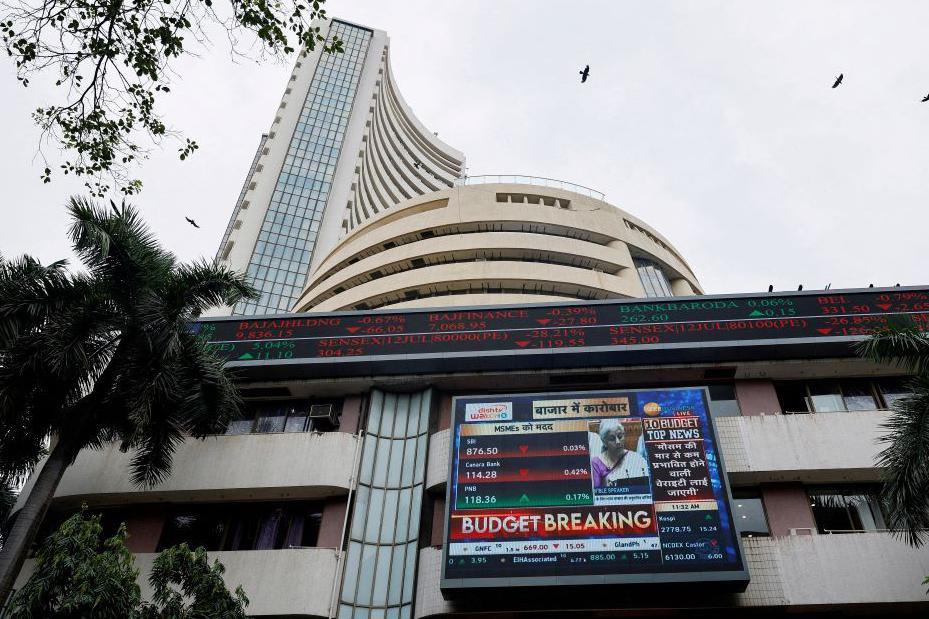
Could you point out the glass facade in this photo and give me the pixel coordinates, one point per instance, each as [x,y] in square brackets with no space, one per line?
[380,565]
[281,258]
[653,278]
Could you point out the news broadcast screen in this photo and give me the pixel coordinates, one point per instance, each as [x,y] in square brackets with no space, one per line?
[594,487]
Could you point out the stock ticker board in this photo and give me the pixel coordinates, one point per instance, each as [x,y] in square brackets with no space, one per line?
[583,334]
[587,488]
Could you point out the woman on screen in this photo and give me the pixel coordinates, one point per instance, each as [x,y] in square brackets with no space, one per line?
[615,462]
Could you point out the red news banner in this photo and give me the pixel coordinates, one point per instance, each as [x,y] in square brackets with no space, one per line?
[554,523]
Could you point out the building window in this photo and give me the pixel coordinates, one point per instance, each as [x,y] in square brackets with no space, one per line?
[653,278]
[286,416]
[244,526]
[827,396]
[892,389]
[748,513]
[846,509]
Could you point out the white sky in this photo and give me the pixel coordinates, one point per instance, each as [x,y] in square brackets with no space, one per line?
[712,121]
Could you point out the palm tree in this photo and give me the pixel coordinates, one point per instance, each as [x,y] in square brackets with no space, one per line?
[7,502]
[906,458]
[104,355]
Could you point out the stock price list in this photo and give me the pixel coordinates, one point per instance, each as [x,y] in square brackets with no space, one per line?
[523,470]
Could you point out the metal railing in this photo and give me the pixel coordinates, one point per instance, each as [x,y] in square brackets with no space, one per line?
[522,179]
[867,410]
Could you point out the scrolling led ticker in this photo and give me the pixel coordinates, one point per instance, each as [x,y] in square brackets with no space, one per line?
[677,329]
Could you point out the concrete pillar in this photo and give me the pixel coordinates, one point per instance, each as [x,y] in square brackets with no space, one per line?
[445,413]
[680,287]
[629,273]
[330,529]
[756,397]
[788,507]
[144,527]
[438,523]
[351,413]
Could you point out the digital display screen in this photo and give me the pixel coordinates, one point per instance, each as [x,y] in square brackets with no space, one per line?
[562,335]
[593,487]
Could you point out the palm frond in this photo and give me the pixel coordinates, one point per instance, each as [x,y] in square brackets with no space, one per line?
[155,445]
[902,345]
[906,464]
[118,248]
[30,292]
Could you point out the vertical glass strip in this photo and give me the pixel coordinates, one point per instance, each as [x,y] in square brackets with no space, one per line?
[379,571]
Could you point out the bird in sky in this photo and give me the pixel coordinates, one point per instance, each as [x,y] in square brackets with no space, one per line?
[838,80]
[926,98]
[192,222]
[585,73]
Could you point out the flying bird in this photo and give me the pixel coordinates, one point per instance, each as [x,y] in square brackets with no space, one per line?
[192,222]
[926,98]
[585,73]
[838,80]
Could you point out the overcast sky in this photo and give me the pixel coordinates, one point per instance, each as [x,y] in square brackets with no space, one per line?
[712,121]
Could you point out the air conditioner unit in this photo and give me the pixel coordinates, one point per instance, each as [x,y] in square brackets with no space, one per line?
[323,411]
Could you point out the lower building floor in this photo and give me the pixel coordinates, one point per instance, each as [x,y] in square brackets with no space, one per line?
[328,498]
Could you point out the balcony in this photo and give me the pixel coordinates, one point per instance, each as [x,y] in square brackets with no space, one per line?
[822,447]
[292,583]
[807,572]
[298,465]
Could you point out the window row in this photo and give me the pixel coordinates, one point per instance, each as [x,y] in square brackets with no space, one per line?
[251,526]
[287,416]
[835,508]
[829,396]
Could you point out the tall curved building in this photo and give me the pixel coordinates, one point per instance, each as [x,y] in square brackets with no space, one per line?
[343,147]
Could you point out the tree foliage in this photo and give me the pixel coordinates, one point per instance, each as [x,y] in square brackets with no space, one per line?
[78,574]
[905,459]
[105,355]
[186,586]
[7,502]
[112,60]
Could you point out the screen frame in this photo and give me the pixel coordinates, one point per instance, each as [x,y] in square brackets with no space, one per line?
[738,578]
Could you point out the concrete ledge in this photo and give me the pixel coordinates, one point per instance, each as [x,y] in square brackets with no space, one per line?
[299,465]
[818,447]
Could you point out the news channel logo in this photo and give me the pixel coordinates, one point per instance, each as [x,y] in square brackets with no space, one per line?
[652,409]
[489,411]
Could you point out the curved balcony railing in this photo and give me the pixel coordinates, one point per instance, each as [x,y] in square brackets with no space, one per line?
[522,179]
